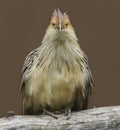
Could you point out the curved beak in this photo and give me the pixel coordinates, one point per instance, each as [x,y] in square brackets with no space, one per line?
[59,25]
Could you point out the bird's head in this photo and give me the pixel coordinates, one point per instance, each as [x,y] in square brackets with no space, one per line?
[60,21]
[60,26]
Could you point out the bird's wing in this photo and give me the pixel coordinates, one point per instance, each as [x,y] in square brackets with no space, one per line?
[89,83]
[28,63]
[80,101]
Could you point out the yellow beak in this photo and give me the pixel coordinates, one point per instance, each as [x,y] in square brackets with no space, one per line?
[60,27]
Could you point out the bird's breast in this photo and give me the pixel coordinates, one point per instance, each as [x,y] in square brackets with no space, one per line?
[53,87]
[54,83]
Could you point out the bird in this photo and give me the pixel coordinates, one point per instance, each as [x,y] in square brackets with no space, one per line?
[56,76]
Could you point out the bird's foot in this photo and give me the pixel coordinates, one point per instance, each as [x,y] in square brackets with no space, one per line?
[57,112]
[10,114]
[67,113]
[50,114]
[92,107]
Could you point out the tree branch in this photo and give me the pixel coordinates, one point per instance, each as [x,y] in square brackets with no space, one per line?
[104,118]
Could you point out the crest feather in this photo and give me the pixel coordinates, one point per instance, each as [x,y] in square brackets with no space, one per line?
[59,14]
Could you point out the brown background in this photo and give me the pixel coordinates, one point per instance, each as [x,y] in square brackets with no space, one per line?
[97,24]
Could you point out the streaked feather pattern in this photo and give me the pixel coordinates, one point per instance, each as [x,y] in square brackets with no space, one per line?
[56,75]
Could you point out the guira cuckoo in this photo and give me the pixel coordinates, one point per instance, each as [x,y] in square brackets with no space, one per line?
[56,75]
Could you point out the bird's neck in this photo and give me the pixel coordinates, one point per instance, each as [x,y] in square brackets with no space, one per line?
[61,44]
[59,51]
[53,40]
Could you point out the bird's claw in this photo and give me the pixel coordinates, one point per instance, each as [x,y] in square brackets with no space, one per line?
[50,114]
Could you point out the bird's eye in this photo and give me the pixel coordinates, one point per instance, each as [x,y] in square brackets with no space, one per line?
[53,24]
[66,24]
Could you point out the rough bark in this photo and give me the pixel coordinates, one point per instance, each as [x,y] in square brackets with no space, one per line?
[104,118]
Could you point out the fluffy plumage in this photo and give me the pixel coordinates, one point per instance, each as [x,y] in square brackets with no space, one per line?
[56,75]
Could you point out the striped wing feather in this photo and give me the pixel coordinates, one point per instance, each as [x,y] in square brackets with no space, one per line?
[29,61]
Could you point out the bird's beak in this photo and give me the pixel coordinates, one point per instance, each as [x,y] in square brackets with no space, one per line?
[60,26]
